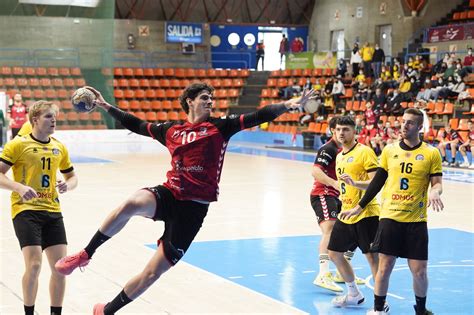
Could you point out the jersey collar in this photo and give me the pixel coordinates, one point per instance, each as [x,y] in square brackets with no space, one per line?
[43,142]
[405,146]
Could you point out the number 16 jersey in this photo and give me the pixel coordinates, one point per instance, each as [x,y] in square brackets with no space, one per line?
[404,197]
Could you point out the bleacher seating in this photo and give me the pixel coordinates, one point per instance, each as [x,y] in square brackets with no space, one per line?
[53,83]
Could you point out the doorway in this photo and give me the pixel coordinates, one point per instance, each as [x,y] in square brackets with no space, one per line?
[337,43]
[385,41]
[271,37]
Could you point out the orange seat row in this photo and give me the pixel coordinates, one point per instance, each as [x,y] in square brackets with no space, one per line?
[161,93]
[157,105]
[174,83]
[40,71]
[44,82]
[176,72]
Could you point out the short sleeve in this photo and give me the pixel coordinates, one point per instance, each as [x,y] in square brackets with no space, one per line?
[10,153]
[383,159]
[325,156]
[436,166]
[370,160]
[65,165]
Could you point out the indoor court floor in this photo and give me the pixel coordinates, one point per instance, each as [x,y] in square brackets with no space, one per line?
[256,252]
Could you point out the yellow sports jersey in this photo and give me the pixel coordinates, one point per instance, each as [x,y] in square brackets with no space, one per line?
[356,163]
[26,129]
[35,164]
[404,196]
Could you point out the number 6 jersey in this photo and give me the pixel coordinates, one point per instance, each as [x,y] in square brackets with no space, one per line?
[35,164]
[404,196]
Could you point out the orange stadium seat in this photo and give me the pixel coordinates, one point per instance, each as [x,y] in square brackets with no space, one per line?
[166,105]
[162,116]
[75,71]
[134,105]
[133,83]
[26,93]
[182,116]
[158,72]
[64,72]
[45,82]
[190,73]
[17,70]
[156,105]
[57,82]
[139,93]
[30,71]
[138,72]
[66,105]
[144,83]
[123,105]
[118,93]
[148,72]
[80,82]
[176,105]
[127,72]
[150,94]
[169,72]
[53,72]
[164,83]
[150,116]
[233,73]
[129,93]
[160,93]
[4,70]
[179,73]
[141,115]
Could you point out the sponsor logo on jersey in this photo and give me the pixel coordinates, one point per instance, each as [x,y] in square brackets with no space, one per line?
[395,156]
[349,160]
[419,157]
[45,195]
[403,197]
[192,168]
[421,204]
[35,150]
[202,131]
[175,134]
[56,151]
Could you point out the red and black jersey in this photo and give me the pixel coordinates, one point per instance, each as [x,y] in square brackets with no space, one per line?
[452,135]
[326,161]
[370,117]
[18,115]
[471,136]
[197,155]
[197,149]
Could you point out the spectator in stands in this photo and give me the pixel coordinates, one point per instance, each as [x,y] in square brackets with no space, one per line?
[453,89]
[396,134]
[452,139]
[359,78]
[260,54]
[424,94]
[449,72]
[369,115]
[341,68]
[377,84]
[367,53]
[396,69]
[394,101]
[18,114]
[467,63]
[297,45]
[358,125]
[291,90]
[361,91]
[377,60]
[379,140]
[356,60]
[338,91]
[468,145]
[363,135]
[326,94]
[385,74]
[379,101]
[284,48]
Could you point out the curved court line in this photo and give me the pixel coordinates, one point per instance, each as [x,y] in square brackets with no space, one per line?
[367,280]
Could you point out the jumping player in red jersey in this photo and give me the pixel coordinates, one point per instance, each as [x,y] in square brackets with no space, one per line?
[197,149]
[326,206]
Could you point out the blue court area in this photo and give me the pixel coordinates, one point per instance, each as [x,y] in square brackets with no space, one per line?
[284,268]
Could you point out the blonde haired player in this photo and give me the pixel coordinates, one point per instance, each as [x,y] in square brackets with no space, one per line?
[407,168]
[35,159]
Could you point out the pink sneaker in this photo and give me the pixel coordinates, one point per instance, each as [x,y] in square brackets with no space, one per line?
[99,309]
[66,265]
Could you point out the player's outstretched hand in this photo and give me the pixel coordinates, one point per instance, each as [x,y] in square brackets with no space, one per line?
[99,101]
[299,102]
[347,179]
[350,213]
[27,193]
[61,186]
[434,200]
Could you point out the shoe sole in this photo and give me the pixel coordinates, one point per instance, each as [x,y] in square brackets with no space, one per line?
[327,288]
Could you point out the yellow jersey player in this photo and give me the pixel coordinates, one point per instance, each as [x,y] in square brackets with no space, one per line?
[407,168]
[355,167]
[26,129]
[35,159]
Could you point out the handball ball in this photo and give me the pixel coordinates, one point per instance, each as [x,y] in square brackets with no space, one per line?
[311,106]
[83,100]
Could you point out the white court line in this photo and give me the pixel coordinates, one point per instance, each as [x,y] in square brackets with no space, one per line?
[235,277]
[308,271]
[260,275]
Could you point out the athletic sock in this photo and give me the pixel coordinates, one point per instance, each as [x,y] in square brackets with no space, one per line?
[352,288]
[323,264]
[97,240]
[56,310]
[120,301]
[379,302]
[420,304]
[29,310]
[466,160]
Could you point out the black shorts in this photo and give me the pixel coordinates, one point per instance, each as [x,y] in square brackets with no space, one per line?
[326,207]
[402,239]
[183,219]
[346,237]
[39,228]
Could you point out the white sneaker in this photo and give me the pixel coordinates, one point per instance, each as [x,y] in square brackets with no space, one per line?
[386,310]
[445,163]
[347,300]
[326,282]
[471,166]
[465,164]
